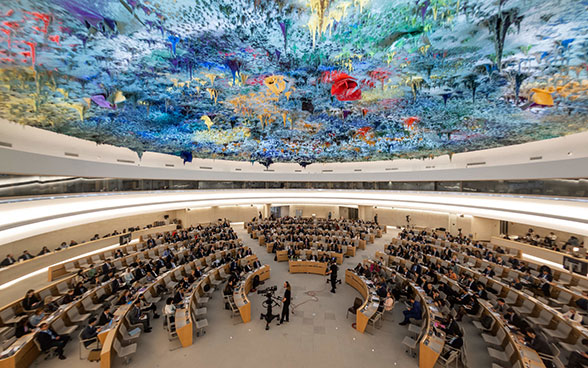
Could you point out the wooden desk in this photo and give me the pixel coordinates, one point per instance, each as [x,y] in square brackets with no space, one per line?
[25,352]
[240,293]
[432,342]
[350,251]
[527,356]
[369,306]
[361,244]
[282,255]
[318,268]
[107,352]
[184,327]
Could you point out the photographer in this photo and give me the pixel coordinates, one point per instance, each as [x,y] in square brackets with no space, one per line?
[286,303]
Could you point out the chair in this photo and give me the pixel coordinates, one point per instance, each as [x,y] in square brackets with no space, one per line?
[62,287]
[9,318]
[415,329]
[133,326]
[47,297]
[511,298]
[60,327]
[495,340]
[544,318]
[51,352]
[200,313]
[201,326]
[563,298]
[89,306]
[525,309]
[480,327]
[561,332]
[71,268]
[124,352]
[452,358]
[94,344]
[75,316]
[171,329]
[202,301]
[151,298]
[503,357]
[377,317]
[411,345]
[126,336]
[356,304]
[7,338]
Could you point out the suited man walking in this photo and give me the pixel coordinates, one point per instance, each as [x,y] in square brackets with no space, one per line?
[333,272]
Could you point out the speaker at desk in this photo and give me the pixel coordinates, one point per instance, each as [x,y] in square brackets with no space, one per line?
[575,265]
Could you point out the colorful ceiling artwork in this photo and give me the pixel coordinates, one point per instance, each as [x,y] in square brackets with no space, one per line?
[297,80]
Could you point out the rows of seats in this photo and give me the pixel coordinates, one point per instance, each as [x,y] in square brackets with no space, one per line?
[105,291]
[545,313]
[296,234]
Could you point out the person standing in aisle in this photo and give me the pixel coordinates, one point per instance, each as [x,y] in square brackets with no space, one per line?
[286,303]
[333,272]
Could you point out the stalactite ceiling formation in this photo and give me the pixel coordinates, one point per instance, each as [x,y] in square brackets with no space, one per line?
[297,80]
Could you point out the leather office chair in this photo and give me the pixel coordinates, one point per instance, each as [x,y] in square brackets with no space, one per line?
[356,304]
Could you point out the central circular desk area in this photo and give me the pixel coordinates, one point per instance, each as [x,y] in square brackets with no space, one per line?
[318,268]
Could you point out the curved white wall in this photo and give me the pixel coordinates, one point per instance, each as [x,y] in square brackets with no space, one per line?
[22,219]
[32,151]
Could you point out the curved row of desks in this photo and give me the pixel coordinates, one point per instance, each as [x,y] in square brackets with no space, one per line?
[185,319]
[24,351]
[107,351]
[525,355]
[97,259]
[282,255]
[244,287]
[370,299]
[573,332]
[269,243]
[23,268]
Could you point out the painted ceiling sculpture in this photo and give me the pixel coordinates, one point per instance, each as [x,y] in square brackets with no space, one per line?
[297,80]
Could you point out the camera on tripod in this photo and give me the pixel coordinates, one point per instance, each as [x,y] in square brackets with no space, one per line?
[270,302]
[269,290]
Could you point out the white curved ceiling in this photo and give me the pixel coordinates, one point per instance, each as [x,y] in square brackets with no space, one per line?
[31,151]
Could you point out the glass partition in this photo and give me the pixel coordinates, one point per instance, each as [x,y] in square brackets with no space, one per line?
[15,186]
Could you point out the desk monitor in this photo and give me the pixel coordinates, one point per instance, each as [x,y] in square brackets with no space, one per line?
[575,265]
[125,239]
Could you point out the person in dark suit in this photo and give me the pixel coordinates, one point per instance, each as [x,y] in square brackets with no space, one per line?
[489,271]
[514,319]
[105,317]
[286,303]
[333,272]
[456,342]
[48,338]
[451,327]
[31,301]
[539,344]
[481,292]
[579,359]
[136,317]
[414,311]
[90,334]
[9,260]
